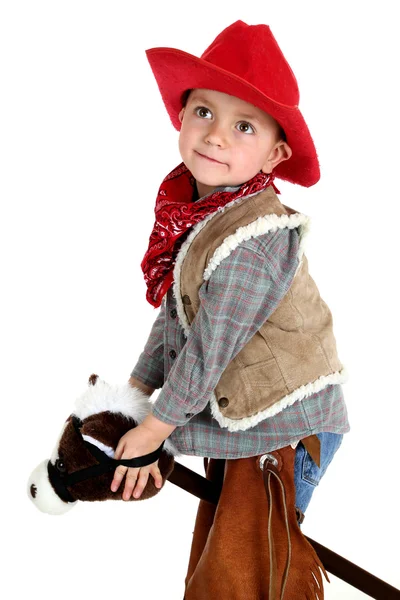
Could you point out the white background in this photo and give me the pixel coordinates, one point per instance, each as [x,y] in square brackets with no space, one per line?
[85,142]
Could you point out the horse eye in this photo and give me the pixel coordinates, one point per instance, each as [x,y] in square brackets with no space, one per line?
[60,465]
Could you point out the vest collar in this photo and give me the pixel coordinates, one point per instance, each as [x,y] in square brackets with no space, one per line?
[261,225]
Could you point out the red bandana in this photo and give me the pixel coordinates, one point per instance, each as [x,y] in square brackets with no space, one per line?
[176,212]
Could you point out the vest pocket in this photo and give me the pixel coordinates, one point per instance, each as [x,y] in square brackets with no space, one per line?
[250,389]
[265,373]
[263,384]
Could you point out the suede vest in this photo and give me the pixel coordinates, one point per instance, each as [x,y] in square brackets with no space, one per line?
[293,354]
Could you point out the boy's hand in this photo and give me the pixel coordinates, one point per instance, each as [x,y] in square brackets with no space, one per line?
[136,442]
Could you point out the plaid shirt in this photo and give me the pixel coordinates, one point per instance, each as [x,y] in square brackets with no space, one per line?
[240,295]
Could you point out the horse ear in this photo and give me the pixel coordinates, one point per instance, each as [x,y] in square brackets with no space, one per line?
[92,379]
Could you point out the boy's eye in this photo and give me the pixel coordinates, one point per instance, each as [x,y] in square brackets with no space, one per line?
[202,111]
[205,113]
[245,127]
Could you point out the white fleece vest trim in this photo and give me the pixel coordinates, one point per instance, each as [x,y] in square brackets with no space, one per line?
[261,225]
[254,229]
[302,392]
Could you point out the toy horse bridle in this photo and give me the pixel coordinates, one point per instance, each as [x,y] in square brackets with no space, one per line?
[61,479]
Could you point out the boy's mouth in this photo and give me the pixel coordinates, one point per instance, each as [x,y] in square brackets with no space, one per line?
[210,159]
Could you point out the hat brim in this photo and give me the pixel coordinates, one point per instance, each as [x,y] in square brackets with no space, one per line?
[177,71]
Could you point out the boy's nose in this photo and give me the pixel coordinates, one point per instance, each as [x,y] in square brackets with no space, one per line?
[216,136]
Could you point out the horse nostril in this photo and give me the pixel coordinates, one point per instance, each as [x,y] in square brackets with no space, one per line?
[33,490]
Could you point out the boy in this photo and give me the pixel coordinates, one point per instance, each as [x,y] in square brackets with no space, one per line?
[243,346]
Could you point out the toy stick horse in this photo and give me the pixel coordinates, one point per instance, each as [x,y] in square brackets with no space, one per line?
[82,467]
[82,464]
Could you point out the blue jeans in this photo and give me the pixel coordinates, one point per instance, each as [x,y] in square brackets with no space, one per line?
[306,473]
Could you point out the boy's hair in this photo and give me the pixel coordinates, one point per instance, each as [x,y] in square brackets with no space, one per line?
[281,132]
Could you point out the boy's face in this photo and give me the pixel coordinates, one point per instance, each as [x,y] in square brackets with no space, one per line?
[240,138]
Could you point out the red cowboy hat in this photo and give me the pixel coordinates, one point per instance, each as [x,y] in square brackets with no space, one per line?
[244,61]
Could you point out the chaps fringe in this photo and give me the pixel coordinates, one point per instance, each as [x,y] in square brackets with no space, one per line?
[297,574]
[250,545]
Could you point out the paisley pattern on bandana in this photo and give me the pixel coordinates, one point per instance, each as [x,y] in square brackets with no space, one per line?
[176,212]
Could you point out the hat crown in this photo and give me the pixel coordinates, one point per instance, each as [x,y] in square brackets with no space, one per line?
[252,53]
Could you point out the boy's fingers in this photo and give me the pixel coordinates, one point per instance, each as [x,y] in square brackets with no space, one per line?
[118,451]
[141,483]
[130,482]
[136,479]
[118,477]
[156,473]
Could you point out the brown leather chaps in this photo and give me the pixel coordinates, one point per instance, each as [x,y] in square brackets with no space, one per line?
[250,546]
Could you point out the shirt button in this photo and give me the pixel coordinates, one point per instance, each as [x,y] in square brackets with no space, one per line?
[186,299]
[223,402]
[173,313]
[189,415]
[172,353]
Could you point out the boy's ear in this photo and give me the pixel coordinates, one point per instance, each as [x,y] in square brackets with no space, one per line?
[280,153]
[182,112]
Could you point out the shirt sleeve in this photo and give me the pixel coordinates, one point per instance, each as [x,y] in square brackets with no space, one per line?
[149,368]
[241,293]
